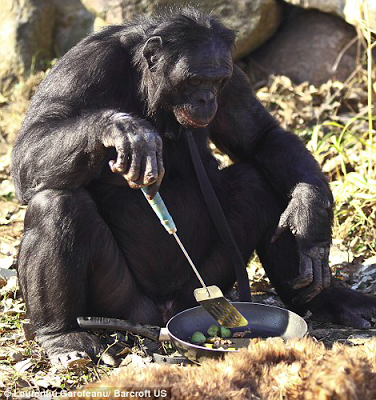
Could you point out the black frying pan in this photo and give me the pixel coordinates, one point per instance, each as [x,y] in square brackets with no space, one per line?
[264,321]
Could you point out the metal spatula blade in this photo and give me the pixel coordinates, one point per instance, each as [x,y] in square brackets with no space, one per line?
[210,297]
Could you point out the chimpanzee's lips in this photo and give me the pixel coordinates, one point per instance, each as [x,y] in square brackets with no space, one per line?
[186,120]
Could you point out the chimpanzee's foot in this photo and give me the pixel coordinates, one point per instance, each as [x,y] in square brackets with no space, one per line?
[71,360]
[79,359]
[343,306]
[72,349]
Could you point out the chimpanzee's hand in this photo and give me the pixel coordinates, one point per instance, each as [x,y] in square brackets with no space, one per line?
[309,217]
[139,151]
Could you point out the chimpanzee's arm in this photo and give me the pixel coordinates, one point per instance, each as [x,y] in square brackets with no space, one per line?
[247,132]
[69,153]
[80,110]
[59,154]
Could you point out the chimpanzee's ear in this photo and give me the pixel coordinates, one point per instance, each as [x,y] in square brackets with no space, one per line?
[150,50]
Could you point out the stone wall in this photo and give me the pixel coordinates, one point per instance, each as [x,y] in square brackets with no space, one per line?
[310,40]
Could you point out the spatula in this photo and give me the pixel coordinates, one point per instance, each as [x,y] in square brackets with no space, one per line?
[210,297]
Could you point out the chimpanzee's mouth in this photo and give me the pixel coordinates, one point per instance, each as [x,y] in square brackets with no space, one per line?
[185,119]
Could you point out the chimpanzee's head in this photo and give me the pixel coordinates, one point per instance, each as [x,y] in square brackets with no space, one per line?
[186,62]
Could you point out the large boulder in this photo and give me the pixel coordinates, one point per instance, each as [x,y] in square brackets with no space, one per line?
[26,28]
[309,46]
[72,22]
[350,10]
[254,20]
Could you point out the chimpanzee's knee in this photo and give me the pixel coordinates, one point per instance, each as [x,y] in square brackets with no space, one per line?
[54,208]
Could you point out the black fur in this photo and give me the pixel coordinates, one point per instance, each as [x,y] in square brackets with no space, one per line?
[92,245]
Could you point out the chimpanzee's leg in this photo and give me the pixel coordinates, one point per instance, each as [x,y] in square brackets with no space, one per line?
[281,258]
[336,304]
[69,265]
[253,210]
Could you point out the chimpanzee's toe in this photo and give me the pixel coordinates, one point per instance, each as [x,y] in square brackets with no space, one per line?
[70,349]
[71,360]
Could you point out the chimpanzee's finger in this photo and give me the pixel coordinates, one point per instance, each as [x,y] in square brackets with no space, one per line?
[134,171]
[111,164]
[123,151]
[121,164]
[151,175]
[315,287]
[151,170]
[161,170]
[305,277]
[153,189]
[283,224]
[326,275]
[278,232]
[139,183]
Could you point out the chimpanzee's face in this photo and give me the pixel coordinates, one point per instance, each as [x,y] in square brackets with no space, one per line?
[184,80]
[197,79]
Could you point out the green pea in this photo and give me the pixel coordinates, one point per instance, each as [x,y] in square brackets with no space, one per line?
[224,332]
[198,338]
[213,330]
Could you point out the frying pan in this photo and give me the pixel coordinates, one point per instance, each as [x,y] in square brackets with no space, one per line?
[264,321]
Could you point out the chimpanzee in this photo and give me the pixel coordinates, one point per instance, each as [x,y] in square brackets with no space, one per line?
[110,118]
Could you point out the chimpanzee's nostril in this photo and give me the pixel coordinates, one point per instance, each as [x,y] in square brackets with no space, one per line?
[204,98]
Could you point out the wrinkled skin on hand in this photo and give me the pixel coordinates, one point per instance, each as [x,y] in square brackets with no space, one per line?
[309,217]
[139,151]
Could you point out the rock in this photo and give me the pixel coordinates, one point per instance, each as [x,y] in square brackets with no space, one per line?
[339,255]
[6,187]
[358,339]
[72,22]
[136,361]
[26,36]
[11,286]
[5,263]
[5,273]
[16,356]
[3,282]
[254,20]
[365,277]
[114,11]
[24,365]
[306,48]
[350,10]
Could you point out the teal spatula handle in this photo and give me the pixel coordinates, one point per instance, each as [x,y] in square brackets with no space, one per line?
[159,207]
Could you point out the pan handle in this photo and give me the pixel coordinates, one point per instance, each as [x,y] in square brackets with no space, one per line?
[151,332]
[164,335]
